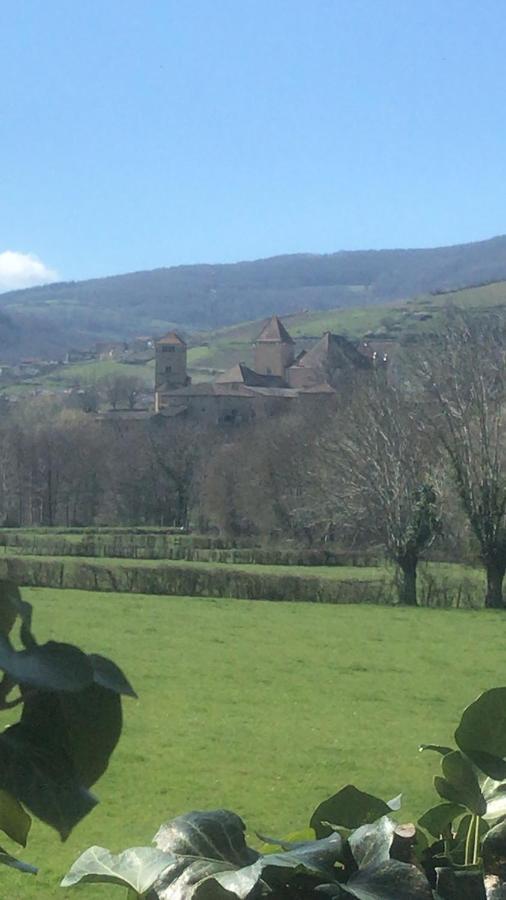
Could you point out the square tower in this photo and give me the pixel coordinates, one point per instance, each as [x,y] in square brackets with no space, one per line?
[274,349]
[170,362]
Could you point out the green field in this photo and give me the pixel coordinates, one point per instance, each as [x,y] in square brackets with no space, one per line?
[265,708]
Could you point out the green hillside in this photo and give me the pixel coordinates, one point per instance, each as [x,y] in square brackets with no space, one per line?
[214,351]
[47,320]
[399,321]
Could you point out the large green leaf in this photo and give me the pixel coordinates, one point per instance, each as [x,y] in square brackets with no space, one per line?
[218,834]
[438,819]
[460,783]
[43,779]
[390,880]
[138,868]
[229,864]
[14,821]
[349,808]
[87,724]
[370,844]
[482,729]
[53,666]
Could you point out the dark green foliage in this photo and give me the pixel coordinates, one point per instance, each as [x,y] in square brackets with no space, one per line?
[70,724]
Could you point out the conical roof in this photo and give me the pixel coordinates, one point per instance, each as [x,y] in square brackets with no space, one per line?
[275,331]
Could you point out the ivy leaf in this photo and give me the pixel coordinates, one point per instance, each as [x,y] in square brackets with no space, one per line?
[219,834]
[137,868]
[390,880]
[370,844]
[349,808]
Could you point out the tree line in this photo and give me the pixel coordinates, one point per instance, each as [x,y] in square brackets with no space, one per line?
[405,463]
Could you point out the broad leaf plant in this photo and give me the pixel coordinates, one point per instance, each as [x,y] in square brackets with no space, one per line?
[70,721]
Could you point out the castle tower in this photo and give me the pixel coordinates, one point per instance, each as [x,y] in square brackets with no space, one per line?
[274,349]
[170,363]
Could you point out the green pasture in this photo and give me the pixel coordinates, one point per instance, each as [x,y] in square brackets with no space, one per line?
[261,707]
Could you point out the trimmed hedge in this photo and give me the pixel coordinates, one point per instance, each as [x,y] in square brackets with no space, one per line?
[197,581]
[193,548]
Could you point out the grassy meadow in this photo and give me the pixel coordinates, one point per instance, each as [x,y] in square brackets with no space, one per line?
[261,707]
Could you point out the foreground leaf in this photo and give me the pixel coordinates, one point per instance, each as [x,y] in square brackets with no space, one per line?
[53,666]
[481,733]
[43,779]
[218,834]
[14,821]
[460,783]
[137,868]
[370,844]
[438,820]
[86,723]
[391,880]
[349,808]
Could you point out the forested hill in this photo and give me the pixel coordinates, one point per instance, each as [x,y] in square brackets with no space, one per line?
[47,320]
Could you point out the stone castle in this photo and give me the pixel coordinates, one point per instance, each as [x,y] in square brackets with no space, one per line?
[280,376]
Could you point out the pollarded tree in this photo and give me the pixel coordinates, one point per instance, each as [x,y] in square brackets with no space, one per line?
[376,477]
[465,375]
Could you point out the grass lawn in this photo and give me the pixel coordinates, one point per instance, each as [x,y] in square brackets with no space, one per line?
[261,707]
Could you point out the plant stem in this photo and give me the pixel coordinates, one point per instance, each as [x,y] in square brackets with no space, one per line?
[476,839]
[467,855]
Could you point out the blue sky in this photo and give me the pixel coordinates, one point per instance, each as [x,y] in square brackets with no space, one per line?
[143,133]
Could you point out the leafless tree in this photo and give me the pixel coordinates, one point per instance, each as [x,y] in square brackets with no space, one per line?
[375,480]
[465,375]
[121,390]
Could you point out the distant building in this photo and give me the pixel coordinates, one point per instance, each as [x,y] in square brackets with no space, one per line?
[242,393]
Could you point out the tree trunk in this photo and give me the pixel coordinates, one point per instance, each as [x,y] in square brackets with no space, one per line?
[407,586]
[495,578]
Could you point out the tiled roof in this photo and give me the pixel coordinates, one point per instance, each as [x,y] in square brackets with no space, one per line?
[242,374]
[274,330]
[172,338]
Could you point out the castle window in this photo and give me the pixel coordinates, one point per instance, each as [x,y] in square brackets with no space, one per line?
[168,349]
[168,369]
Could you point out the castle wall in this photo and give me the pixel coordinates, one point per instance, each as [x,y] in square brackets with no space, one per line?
[273,357]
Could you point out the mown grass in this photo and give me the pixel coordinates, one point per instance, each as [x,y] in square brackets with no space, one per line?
[264,708]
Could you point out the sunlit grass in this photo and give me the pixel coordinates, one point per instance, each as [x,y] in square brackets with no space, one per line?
[262,707]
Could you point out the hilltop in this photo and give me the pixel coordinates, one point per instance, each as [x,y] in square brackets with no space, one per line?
[45,321]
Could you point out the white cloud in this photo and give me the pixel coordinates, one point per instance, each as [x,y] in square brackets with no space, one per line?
[21,270]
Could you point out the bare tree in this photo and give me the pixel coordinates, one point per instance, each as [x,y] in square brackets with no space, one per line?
[465,374]
[121,390]
[375,479]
